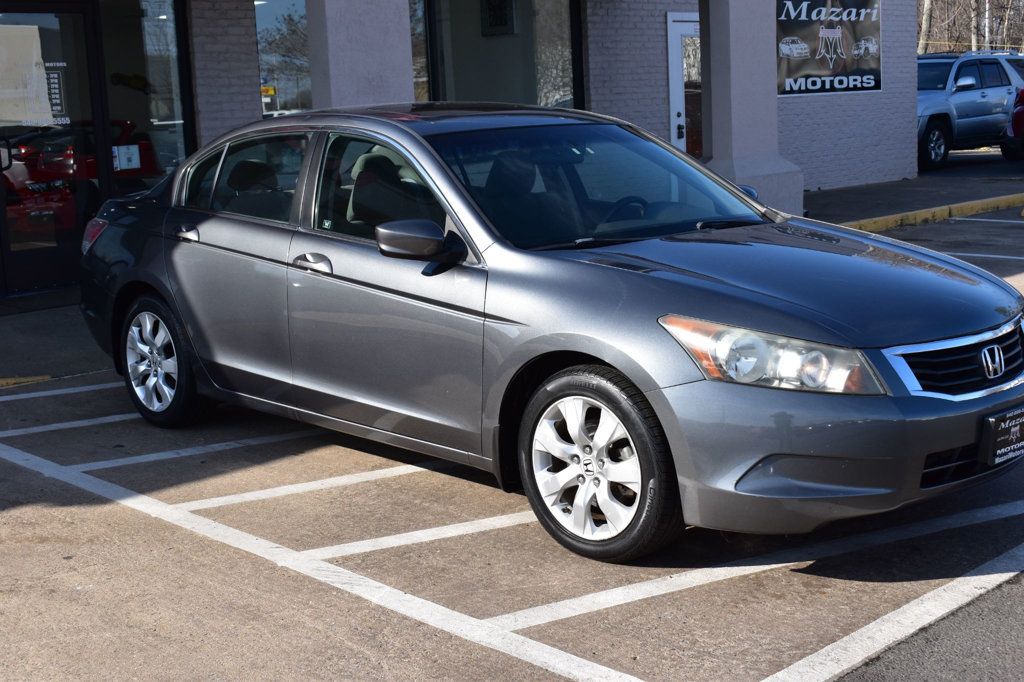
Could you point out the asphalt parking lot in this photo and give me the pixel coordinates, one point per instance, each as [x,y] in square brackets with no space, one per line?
[251,546]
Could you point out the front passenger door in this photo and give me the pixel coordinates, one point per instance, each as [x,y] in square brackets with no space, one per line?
[971,108]
[392,345]
[227,258]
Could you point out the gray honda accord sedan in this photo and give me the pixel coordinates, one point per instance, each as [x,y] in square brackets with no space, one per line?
[568,302]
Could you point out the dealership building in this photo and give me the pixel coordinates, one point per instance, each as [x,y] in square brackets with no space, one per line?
[101,98]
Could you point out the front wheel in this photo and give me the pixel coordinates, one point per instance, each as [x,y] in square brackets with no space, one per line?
[596,466]
[933,149]
[157,365]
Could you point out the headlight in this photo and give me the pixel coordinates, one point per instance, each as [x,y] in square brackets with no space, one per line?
[748,357]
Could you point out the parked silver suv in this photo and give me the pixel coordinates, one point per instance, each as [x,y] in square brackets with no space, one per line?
[964,102]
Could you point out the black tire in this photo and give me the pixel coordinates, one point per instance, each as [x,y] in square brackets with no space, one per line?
[1012,152]
[929,156]
[657,519]
[186,404]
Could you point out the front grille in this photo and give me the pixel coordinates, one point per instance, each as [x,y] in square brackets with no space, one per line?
[958,464]
[960,370]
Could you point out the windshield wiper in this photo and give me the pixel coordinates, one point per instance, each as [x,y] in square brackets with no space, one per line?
[590,242]
[719,223]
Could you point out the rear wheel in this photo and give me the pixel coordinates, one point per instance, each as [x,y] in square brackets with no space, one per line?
[157,365]
[933,149]
[596,467]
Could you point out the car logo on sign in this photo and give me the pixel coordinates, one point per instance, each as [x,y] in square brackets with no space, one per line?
[992,361]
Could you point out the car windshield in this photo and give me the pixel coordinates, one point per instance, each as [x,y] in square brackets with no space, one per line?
[578,185]
[933,75]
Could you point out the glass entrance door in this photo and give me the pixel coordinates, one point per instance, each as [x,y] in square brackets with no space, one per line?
[50,148]
[684,83]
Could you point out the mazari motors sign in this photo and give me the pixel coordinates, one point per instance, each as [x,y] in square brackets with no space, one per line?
[828,46]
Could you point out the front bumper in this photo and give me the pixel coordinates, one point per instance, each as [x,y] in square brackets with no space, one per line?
[762,460]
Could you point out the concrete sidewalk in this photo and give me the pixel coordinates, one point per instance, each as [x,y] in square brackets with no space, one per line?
[970,176]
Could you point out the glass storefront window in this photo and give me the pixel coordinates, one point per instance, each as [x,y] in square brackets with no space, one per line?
[518,51]
[144,99]
[284,56]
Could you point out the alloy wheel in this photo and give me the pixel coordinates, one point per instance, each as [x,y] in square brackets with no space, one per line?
[151,361]
[936,145]
[586,468]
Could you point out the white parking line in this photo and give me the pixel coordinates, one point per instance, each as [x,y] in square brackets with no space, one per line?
[616,596]
[44,428]
[310,486]
[196,450]
[424,611]
[983,255]
[418,536]
[892,628]
[60,391]
[1004,221]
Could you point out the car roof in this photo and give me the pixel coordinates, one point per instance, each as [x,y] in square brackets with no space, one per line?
[434,118]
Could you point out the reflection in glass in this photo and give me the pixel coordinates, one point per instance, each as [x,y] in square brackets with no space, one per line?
[516,51]
[144,93]
[284,56]
[692,96]
[48,187]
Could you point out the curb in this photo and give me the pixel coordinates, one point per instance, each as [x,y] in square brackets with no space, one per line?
[931,215]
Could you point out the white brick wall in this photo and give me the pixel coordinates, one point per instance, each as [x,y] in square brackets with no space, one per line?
[627,65]
[837,140]
[860,138]
[225,65]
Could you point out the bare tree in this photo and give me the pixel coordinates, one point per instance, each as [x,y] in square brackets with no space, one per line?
[926,26]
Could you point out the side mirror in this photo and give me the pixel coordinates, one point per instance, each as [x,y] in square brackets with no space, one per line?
[413,239]
[965,83]
[749,191]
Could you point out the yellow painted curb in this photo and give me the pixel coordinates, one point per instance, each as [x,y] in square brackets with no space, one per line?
[8,382]
[931,215]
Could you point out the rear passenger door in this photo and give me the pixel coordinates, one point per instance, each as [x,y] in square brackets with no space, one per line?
[392,345]
[227,259]
[999,95]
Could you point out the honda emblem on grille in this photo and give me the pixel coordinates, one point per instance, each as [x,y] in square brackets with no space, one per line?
[992,361]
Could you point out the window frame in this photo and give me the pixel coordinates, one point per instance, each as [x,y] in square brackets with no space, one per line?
[976,63]
[295,216]
[1005,77]
[189,171]
[314,183]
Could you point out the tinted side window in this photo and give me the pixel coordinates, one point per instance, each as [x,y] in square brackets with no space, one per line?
[364,184]
[199,189]
[258,177]
[1017,65]
[992,75]
[970,69]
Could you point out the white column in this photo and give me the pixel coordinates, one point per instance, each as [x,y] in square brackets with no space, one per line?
[744,102]
[360,52]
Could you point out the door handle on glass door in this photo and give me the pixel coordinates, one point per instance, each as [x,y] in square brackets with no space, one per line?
[188,233]
[316,262]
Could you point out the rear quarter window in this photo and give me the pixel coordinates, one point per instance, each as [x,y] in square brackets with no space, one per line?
[199,187]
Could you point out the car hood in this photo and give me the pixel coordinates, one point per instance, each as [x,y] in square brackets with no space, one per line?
[868,291]
[929,100]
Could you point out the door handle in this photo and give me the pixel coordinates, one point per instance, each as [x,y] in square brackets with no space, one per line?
[188,233]
[680,131]
[8,161]
[316,262]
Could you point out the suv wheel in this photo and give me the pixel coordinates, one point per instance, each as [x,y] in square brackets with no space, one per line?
[157,366]
[933,150]
[596,466]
